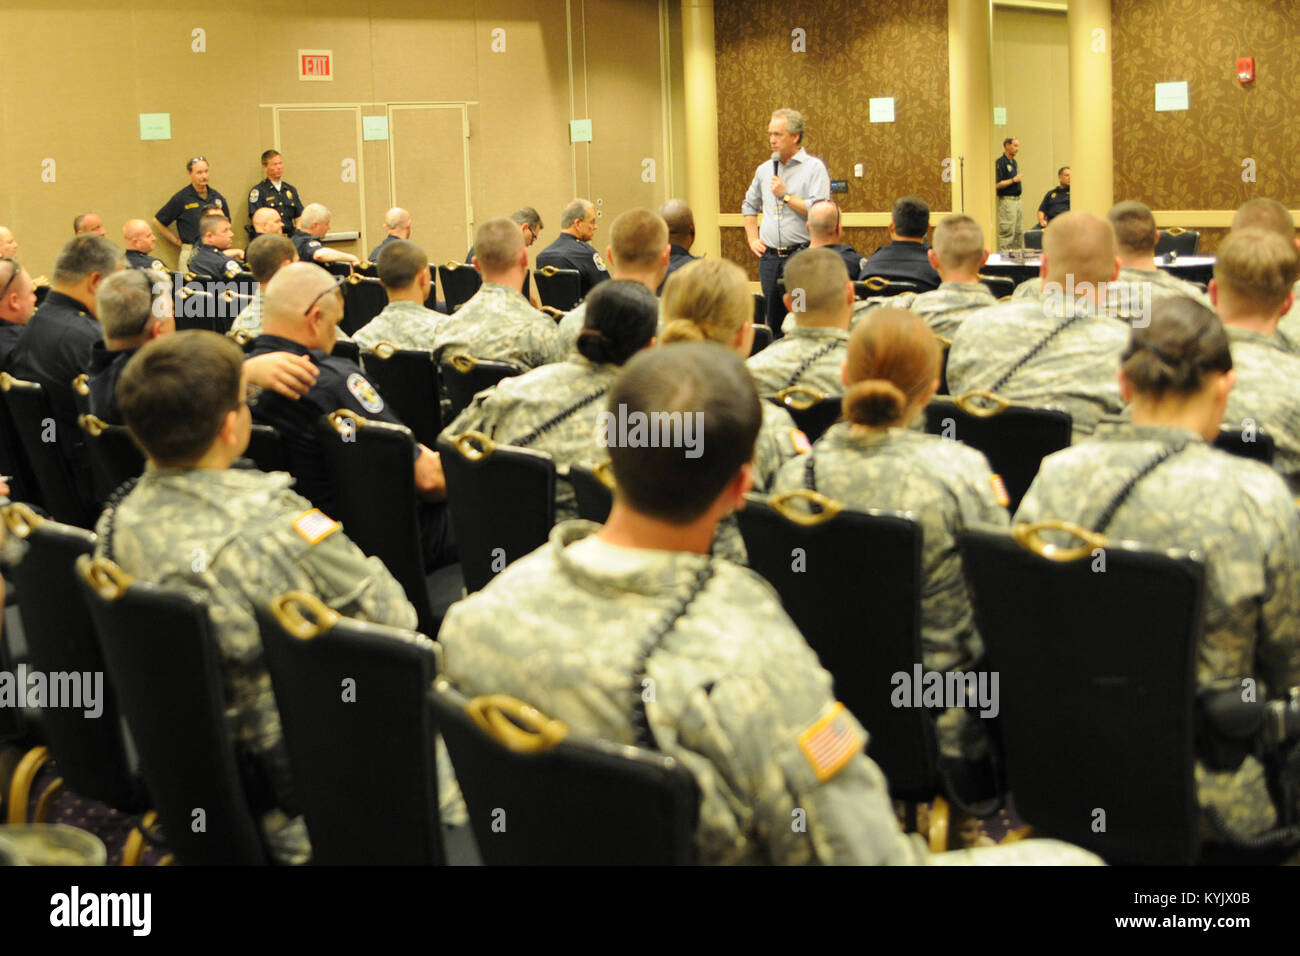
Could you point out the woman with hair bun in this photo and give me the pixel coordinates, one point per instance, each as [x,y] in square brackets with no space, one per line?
[873,460]
[1157,480]
[555,408]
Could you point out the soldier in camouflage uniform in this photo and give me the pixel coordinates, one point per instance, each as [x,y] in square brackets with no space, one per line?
[819,294]
[1252,290]
[873,461]
[1062,351]
[235,536]
[405,322]
[1272,215]
[555,408]
[638,251]
[1156,481]
[265,256]
[709,301]
[498,323]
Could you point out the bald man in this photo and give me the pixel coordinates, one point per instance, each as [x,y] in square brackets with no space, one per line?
[267,222]
[826,231]
[8,244]
[17,303]
[302,307]
[88,224]
[1063,350]
[681,235]
[397,225]
[140,240]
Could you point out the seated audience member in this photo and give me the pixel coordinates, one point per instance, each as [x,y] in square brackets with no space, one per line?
[183,398]
[681,235]
[17,303]
[88,224]
[819,295]
[872,460]
[8,244]
[1057,199]
[557,408]
[572,248]
[134,308]
[1252,288]
[638,251]
[209,260]
[530,227]
[303,305]
[905,257]
[397,225]
[825,231]
[307,238]
[1272,215]
[267,222]
[404,322]
[1060,351]
[498,323]
[140,240]
[267,255]
[1156,481]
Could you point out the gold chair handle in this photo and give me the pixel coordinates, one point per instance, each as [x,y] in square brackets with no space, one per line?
[356,278]
[364,264]
[385,350]
[345,421]
[453,264]
[789,397]
[464,445]
[875,283]
[6,381]
[499,716]
[781,505]
[20,518]
[1174,231]
[943,340]
[462,362]
[965,403]
[109,581]
[1029,536]
[81,384]
[241,336]
[287,609]
[604,472]
[553,312]
[92,425]
[549,271]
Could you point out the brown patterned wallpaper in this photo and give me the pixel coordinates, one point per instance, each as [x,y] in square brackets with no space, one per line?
[1193,159]
[854,51]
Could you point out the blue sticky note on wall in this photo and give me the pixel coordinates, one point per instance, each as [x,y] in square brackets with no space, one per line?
[155,125]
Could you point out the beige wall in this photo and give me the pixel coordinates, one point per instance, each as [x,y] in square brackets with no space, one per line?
[78,74]
[1031,79]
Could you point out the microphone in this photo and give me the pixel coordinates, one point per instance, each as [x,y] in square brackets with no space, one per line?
[776,161]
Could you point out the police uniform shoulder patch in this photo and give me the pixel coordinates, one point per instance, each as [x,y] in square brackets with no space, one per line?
[600,263]
[232,267]
[315,526]
[830,743]
[157,265]
[365,393]
[217,202]
[253,194]
[800,441]
[999,490]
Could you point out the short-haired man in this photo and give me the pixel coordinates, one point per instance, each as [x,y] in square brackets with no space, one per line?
[274,193]
[405,322]
[313,224]
[139,240]
[1061,351]
[1270,214]
[17,303]
[397,225]
[266,255]
[530,226]
[906,257]
[828,233]
[572,248]
[782,190]
[267,222]
[184,400]
[681,235]
[638,250]
[88,224]
[8,244]
[56,345]
[498,323]
[1056,201]
[134,307]
[1011,221]
[1253,287]
[185,209]
[819,295]
[209,260]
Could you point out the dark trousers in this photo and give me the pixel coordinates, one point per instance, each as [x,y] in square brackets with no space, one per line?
[770,268]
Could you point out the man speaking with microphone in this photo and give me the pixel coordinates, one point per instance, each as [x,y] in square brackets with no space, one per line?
[782,191]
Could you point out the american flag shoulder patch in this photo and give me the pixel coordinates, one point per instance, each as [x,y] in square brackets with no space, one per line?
[801,443]
[831,743]
[999,490]
[315,525]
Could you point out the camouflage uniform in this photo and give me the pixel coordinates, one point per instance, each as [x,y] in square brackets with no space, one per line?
[1265,395]
[943,308]
[249,318]
[1076,370]
[510,412]
[1240,517]
[1288,329]
[572,322]
[236,537]
[1129,290]
[948,487]
[407,325]
[807,356]
[499,324]
[734,685]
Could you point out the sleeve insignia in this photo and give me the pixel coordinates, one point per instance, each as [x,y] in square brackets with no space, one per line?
[232,267]
[830,743]
[365,393]
[600,263]
[252,195]
[999,490]
[315,526]
[801,443]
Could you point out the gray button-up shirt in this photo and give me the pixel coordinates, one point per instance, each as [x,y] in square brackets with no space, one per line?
[804,176]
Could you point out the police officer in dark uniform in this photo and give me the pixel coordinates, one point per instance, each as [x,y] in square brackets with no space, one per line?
[274,193]
[1057,200]
[208,261]
[572,248]
[140,241]
[184,209]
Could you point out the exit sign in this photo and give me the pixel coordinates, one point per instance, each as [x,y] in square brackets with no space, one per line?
[315,64]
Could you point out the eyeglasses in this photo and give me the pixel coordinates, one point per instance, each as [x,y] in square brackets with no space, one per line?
[12,276]
[324,292]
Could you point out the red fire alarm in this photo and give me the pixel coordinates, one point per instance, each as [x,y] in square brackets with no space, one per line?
[1246,69]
